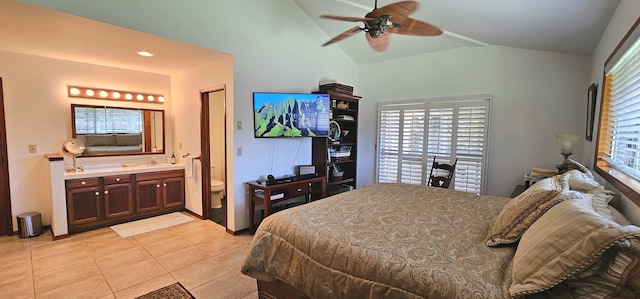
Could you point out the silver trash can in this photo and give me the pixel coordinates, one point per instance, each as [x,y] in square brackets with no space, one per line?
[29,225]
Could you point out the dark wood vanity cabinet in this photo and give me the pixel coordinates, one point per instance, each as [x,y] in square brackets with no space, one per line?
[83,201]
[105,201]
[118,196]
[159,190]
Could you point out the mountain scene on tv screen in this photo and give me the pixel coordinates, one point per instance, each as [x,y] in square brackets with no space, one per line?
[291,118]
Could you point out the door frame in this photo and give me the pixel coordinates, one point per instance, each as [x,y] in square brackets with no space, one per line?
[205,150]
[6,219]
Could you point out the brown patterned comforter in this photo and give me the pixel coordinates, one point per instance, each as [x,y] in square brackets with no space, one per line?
[385,241]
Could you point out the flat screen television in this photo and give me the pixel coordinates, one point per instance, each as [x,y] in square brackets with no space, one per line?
[290,114]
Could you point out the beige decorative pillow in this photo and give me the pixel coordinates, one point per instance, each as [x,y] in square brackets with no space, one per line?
[518,214]
[566,240]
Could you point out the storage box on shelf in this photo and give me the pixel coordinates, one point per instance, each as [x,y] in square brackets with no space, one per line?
[336,87]
[336,158]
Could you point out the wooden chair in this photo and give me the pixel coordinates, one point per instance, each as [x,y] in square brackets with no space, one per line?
[443,174]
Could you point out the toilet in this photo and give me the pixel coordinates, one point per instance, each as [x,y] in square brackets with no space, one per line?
[217,192]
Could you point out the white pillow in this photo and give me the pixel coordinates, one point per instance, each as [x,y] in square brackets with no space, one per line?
[580,181]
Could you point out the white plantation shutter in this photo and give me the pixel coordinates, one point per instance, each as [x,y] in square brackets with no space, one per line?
[400,153]
[389,147]
[412,134]
[470,147]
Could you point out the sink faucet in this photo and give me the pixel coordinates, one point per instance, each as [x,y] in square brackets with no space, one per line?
[153,161]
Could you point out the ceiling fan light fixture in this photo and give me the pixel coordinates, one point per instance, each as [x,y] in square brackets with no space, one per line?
[381,22]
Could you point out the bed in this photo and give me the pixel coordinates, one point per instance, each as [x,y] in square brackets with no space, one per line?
[408,241]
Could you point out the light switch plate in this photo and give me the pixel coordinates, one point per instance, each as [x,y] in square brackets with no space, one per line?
[32,148]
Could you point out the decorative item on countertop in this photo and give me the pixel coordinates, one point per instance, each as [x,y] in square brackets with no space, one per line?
[74,148]
[567,144]
[173,158]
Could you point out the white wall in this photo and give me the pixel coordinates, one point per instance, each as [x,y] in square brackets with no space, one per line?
[625,16]
[38,111]
[536,95]
[217,134]
[186,89]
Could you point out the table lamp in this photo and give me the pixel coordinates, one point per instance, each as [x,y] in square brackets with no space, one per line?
[567,144]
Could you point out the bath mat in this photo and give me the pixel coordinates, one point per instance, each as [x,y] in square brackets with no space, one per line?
[150,224]
[174,291]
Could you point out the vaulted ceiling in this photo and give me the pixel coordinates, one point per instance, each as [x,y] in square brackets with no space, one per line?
[564,26]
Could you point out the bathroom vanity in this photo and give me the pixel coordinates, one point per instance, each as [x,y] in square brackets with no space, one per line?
[103,197]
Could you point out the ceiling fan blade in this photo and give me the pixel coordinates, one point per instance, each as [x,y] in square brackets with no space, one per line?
[380,43]
[343,35]
[398,11]
[416,27]
[348,19]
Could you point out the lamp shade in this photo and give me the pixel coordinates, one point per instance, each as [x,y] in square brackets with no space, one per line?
[567,143]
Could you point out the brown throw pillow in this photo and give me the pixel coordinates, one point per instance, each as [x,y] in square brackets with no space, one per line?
[565,241]
[518,214]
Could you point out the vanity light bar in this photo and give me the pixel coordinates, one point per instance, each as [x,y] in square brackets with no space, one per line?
[110,94]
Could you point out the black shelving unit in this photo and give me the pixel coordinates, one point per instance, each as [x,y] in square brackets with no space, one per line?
[344,111]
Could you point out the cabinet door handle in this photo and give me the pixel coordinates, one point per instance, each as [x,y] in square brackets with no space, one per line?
[299,189]
[97,193]
[117,179]
[165,184]
[106,192]
[83,183]
[158,186]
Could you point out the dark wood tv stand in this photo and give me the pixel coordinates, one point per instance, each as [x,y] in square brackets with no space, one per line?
[296,188]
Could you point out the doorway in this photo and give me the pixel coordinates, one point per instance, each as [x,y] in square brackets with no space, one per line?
[6,223]
[213,155]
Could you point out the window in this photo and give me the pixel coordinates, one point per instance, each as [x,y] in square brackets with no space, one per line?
[107,120]
[411,134]
[618,155]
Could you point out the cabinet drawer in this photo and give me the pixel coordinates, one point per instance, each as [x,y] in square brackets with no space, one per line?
[79,183]
[300,190]
[117,179]
[159,175]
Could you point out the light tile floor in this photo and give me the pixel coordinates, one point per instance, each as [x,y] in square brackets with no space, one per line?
[100,264]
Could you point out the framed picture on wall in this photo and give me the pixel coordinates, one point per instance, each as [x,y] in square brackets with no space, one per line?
[591,109]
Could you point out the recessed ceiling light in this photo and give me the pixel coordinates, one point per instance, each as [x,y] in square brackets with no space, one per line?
[145,54]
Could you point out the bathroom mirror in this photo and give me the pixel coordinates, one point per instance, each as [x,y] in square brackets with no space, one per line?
[112,131]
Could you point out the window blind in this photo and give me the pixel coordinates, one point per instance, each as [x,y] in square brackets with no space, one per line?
[620,129]
[412,134]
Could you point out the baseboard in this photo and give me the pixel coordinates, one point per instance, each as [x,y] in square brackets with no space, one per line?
[239,232]
[194,214]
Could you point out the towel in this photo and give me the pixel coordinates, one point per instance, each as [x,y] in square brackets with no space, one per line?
[188,166]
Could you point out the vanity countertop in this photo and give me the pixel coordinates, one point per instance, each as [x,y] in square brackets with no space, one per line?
[140,168]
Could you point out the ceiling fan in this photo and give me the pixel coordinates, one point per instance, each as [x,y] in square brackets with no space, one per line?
[381,22]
